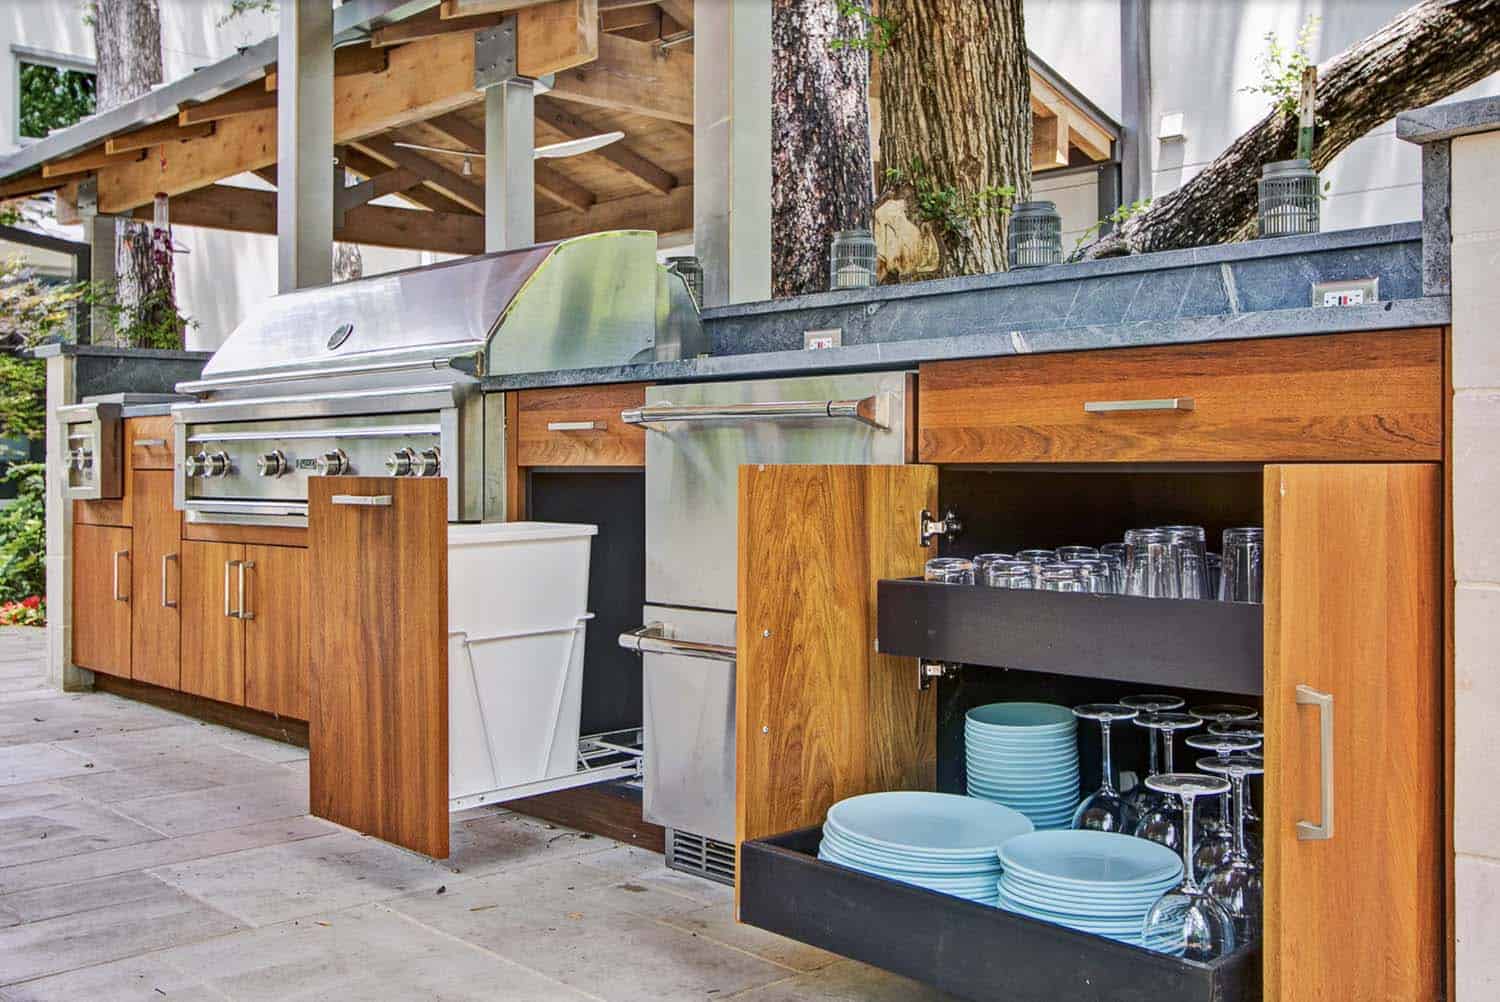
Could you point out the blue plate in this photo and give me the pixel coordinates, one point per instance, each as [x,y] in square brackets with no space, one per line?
[936,824]
[1090,860]
[1022,716]
[983,886]
[946,866]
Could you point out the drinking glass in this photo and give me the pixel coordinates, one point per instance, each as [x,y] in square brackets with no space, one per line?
[1216,835]
[1097,576]
[1038,559]
[1105,810]
[1060,577]
[950,570]
[1116,565]
[1186,551]
[1192,924]
[1215,564]
[1150,572]
[1164,822]
[1010,574]
[1240,578]
[1237,884]
[1076,553]
[982,563]
[1141,796]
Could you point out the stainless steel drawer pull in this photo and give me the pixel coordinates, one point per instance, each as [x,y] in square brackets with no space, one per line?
[651,639]
[242,612]
[228,609]
[576,426]
[1115,406]
[867,410]
[116,586]
[149,443]
[1323,827]
[166,558]
[362,500]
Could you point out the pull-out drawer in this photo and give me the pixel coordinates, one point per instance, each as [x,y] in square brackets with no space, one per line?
[579,426]
[1365,397]
[149,440]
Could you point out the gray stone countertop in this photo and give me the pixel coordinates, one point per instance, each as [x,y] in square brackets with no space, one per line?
[1449,120]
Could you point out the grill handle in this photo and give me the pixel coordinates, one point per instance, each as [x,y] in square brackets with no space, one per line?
[866,410]
[651,639]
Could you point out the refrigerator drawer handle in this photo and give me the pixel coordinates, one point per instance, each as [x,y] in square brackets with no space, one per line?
[870,410]
[362,500]
[649,639]
[576,426]
[1116,406]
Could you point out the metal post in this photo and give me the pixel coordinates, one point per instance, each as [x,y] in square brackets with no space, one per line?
[1135,100]
[304,139]
[732,151]
[100,231]
[509,178]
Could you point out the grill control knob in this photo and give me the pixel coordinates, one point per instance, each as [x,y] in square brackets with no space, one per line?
[195,465]
[81,459]
[271,464]
[428,463]
[218,464]
[400,462]
[332,463]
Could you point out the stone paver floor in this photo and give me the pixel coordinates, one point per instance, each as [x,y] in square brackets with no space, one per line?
[145,855]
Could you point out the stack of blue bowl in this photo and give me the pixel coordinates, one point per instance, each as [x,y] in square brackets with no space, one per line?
[939,841]
[1098,882]
[1024,756]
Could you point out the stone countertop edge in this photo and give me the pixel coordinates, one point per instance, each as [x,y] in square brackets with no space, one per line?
[1449,120]
[1429,311]
[113,351]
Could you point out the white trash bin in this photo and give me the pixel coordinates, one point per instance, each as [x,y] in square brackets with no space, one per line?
[517,612]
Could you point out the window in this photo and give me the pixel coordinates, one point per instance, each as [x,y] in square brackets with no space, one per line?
[51,94]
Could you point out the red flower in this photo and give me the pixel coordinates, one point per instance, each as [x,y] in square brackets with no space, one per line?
[34,602]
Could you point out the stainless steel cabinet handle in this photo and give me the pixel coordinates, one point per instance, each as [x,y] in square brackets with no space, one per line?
[116,586]
[651,639]
[867,410]
[576,426]
[362,500]
[1323,827]
[149,443]
[242,612]
[228,609]
[165,559]
[1114,406]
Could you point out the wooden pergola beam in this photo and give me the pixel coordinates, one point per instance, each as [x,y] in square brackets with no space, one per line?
[450,183]
[1076,128]
[556,36]
[250,98]
[549,182]
[154,135]
[29,184]
[429,24]
[468,8]
[389,183]
[680,11]
[632,76]
[672,214]
[367,166]
[470,137]
[348,61]
[635,166]
[89,160]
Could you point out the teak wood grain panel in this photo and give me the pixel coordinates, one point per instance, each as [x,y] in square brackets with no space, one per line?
[105,512]
[155,581]
[213,644]
[611,443]
[1353,609]
[101,622]
[276,657]
[1359,397]
[820,715]
[378,729]
[149,442]
[268,535]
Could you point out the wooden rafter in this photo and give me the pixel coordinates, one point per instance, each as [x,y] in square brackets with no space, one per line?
[633,76]
[154,135]
[470,137]
[348,61]
[29,184]
[631,163]
[252,97]
[389,183]
[673,214]
[562,190]
[556,36]
[367,166]
[631,18]
[89,160]
[467,8]
[449,182]
[1076,127]
[429,24]
[680,11]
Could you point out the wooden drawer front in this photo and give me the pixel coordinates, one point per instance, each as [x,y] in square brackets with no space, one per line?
[1365,397]
[579,426]
[149,440]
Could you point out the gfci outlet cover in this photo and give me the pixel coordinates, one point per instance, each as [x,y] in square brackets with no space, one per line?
[818,340]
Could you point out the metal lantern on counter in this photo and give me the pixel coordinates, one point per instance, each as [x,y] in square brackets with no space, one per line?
[1035,235]
[1288,198]
[851,260]
[692,274]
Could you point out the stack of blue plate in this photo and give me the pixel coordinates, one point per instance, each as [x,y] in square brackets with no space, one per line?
[1025,756]
[938,841]
[1098,882]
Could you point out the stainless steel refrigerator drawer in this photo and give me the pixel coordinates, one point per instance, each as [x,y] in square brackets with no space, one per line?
[699,434]
[689,721]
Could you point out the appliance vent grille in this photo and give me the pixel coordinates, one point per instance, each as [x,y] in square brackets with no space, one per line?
[703,857]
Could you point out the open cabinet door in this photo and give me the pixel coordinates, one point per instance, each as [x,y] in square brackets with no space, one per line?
[1353,816]
[378,728]
[820,715]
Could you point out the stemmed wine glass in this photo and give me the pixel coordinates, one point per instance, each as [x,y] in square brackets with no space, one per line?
[1252,727]
[1163,822]
[1216,838]
[1105,810]
[1187,921]
[1141,796]
[1237,884]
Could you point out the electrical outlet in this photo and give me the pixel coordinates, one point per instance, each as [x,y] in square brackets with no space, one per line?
[1351,292]
[818,340]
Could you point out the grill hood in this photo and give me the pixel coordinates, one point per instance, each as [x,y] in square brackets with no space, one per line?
[595,300]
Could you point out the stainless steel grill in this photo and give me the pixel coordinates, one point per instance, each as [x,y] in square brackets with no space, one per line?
[381,376]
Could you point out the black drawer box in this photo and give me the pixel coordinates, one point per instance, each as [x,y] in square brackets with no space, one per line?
[968,949]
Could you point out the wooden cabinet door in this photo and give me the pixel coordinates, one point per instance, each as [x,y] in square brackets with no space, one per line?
[156,581]
[378,639]
[101,598]
[213,637]
[276,663]
[819,715]
[1353,618]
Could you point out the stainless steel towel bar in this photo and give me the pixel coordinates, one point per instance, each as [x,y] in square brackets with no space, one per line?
[867,410]
[650,639]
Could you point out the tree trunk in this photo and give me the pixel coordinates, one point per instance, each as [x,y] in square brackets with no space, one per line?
[955,119]
[1426,53]
[820,147]
[127,42]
